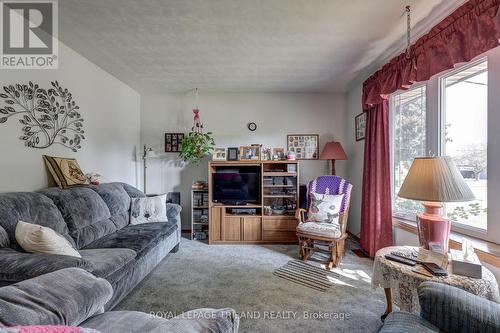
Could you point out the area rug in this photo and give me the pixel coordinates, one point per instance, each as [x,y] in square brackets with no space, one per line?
[241,277]
[306,275]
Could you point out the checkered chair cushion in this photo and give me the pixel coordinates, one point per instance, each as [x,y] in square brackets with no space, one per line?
[327,230]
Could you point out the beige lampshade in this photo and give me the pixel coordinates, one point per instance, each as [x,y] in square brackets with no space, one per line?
[435,179]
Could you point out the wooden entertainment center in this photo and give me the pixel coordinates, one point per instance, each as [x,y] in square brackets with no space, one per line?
[271,219]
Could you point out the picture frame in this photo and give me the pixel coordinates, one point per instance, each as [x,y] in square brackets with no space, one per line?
[305,146]
[249,153]
[233,154]
[173,142]
[219,154]
[278,154]
[266,154]
[360,126]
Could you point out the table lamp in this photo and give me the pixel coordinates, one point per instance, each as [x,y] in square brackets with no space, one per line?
[434,180]
[333,151]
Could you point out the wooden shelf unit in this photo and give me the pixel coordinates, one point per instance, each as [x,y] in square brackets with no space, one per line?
[228,228]
[199,211]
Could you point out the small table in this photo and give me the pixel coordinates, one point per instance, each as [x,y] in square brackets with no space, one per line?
[403,281]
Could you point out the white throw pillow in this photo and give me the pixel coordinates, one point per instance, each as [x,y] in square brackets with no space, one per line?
[150,209]
[37,239]
[325,208]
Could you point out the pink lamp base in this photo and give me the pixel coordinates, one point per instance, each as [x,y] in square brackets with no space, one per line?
[433,227]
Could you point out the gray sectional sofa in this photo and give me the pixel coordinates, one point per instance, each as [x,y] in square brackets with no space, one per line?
[95,219]
[74,297]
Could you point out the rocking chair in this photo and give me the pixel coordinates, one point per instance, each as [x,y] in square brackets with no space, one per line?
[328,238]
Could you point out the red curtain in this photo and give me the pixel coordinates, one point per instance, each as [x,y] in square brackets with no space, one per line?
[469,31]
[376,211]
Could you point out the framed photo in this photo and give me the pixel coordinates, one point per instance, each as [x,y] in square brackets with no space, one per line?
[249,153]
[219,154]
[173,142]
[266,154]
[233,154]
[278,154]
[305,146]
[360,126]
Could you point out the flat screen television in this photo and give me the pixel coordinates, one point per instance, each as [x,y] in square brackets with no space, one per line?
[236,188]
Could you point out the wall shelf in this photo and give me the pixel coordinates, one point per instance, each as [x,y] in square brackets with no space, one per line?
[280,174]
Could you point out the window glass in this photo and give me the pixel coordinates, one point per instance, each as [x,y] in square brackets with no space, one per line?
[464,134]
[408,114]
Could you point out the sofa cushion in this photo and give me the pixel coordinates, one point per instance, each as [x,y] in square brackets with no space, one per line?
[404,322]
[65,297]
[201,320]
[139,237]
[33,208]
[4,238]
[85,212]
[16,266]
[105,262]
[117,200]
[132,191]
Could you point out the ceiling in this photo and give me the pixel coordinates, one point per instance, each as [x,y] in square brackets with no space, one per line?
[238,45]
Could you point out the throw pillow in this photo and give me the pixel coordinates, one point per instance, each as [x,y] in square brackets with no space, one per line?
[65,171]
[325,208]
[149,209]
[37,239]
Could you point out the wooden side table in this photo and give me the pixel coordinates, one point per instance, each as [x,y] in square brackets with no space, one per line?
[400,282]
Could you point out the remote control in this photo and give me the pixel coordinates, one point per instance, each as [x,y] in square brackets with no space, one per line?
[410,256]
[434,269]
[400,260]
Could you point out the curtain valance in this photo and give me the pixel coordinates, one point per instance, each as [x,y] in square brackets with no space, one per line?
[472,29]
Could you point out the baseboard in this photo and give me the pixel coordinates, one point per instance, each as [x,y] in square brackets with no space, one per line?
[353,235]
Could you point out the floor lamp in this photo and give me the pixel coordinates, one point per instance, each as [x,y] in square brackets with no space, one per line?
[147,154]
[333,151]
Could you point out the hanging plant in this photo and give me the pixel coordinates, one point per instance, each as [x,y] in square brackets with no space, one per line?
[196,145]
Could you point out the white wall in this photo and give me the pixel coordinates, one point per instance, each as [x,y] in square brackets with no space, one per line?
[354,171]
[227,115]
[111,113]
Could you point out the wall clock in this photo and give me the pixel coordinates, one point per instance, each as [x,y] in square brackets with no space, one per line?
[252,126]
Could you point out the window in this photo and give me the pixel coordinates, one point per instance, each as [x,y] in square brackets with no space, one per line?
[464,137]
[408,118]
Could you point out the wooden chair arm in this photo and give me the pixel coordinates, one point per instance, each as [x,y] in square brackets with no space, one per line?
[343,222]
[300,214]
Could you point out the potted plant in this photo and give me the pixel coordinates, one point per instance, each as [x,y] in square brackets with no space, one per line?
[196,144]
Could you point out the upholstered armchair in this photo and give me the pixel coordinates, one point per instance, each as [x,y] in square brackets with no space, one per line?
[327,238]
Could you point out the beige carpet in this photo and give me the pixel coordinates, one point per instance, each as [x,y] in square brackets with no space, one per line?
[241,277]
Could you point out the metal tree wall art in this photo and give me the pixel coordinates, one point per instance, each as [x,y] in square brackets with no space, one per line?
[49,116]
